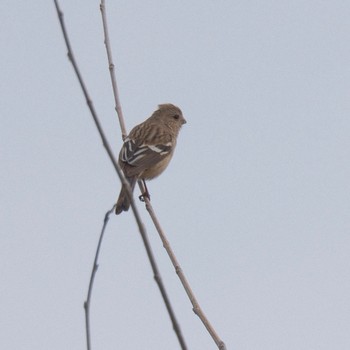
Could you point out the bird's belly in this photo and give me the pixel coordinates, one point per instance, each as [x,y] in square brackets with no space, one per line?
[156,170]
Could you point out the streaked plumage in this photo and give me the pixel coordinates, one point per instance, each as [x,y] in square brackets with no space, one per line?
[148,149]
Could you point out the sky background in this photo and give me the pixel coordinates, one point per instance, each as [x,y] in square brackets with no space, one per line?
[255,202]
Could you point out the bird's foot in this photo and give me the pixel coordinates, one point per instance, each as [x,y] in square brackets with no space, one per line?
[144,195]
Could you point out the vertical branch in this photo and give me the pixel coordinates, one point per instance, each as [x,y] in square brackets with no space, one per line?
[196,307]
[118,106]
[92,278]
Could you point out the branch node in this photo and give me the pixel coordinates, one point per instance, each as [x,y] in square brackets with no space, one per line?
[222,345]
[157,278]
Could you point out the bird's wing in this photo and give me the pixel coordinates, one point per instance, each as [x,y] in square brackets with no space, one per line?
[137,157]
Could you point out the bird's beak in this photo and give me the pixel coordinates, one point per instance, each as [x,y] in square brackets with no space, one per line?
[183,121]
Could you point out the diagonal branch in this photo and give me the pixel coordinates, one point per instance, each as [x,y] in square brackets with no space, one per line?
[124,182]
[86,95]
[196,307]
[156,273]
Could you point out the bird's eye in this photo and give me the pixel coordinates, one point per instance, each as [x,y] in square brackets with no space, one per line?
[176,116]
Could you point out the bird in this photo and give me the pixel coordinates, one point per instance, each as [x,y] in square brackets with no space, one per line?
[148,149]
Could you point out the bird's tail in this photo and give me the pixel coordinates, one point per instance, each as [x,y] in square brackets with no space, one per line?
[123,203]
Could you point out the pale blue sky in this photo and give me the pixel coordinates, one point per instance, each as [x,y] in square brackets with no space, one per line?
[255,202]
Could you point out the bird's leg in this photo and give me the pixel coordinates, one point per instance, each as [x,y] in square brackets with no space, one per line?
[145,194]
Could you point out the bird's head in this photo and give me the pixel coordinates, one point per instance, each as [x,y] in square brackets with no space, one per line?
[170,115]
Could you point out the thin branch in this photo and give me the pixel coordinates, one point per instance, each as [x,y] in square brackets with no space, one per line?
[156,273]
[124,182]
[196,307]
[118,106]
[95,117]
[92,278]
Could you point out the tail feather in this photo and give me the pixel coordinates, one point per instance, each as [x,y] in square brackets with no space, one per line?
[123,203]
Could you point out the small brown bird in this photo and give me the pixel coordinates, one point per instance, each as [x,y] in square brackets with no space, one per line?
[148,149]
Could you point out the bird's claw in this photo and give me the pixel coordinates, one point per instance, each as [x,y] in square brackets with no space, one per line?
[144,195]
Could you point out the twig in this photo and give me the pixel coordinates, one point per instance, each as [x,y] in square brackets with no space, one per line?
[156,273]
[196,307]
[122,178]
[87,97]
[92,278]
[118,106]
